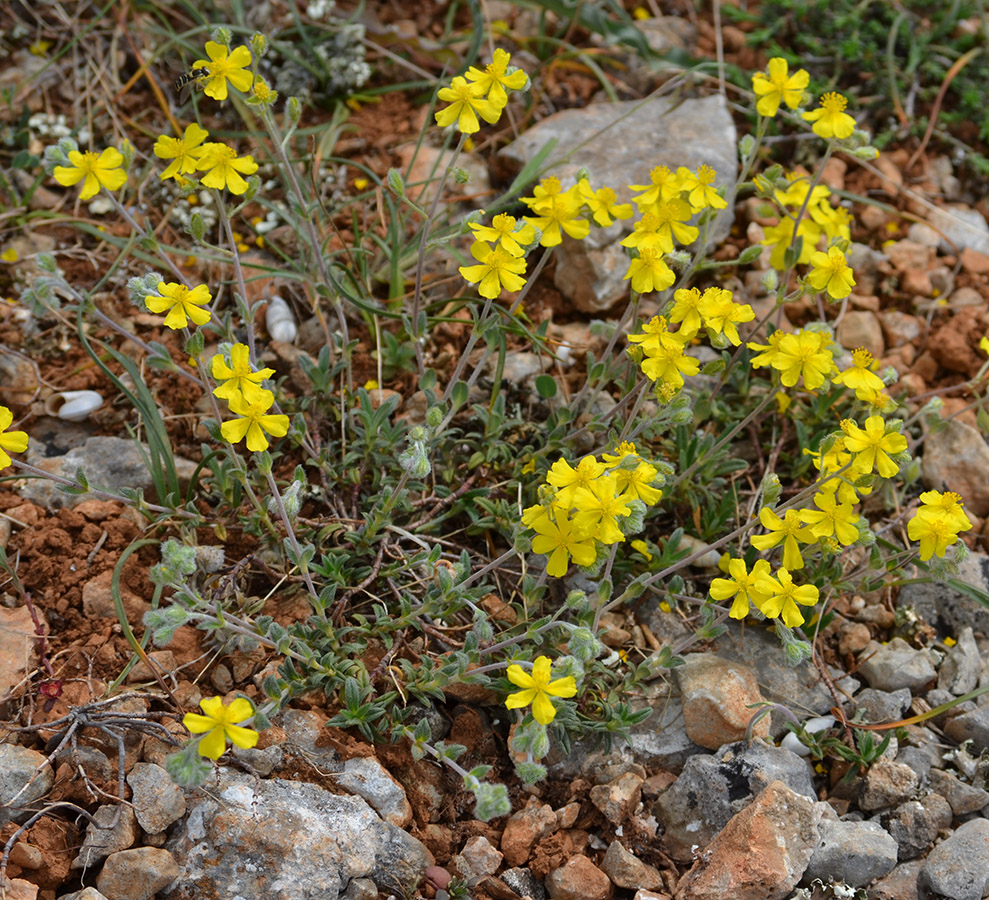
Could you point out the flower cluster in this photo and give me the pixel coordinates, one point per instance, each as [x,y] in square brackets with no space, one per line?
[807,219]
[220,163]
[804,354]
[660,351]
[937,522]
[240,386]
[481,93]
[777,85]
[774,596]
[590,506]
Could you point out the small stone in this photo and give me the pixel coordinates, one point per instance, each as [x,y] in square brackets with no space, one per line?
[137,874]
[882,706]
[18,649]
[920,233]
[970,726]
[900,884]
[975,262]
[908,256]
[628,871]
[860,328]
[113,828]
[157,800]
[88,893]
[367,778]
[761,854]
[717,700]
[524,883]
[525,829]
[578,879]
[853,637]
[896,665]
[964,297]
[961,667]
[963,798]
[852,852]
[958,867]
[566,816]
[914,825]
[618,799]
[961,227]
[886,784]
[482,857]
[900,328]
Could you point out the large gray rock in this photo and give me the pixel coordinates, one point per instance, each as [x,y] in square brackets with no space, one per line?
[619,144]
[852,852]
[158,801]
[711,789]
[798,687]
[945,608]
[889,667]
[958,867]
[302,843]
[915,824]
[970,726]
[367,778]
[110,463]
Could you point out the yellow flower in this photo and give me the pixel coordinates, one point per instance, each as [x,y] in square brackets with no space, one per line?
[784,596]
[498,269]
[183,152]
[559,213]
[743,585]
[859,376]
[225,66]
[559,538]
[665,186]
[649,272]
[830,119]
[831,518]
[219,723]
[466,103]
[262,93]
[804,354]
[537,688]
[506,232]
[700,187]
[567,479]
[787,531]
[183,305]
[934,533]
[10,441]
[598,507]
[778,87]
[947,506]
[239,380]
[223,167]
[669,364]
[93,171]
[831,271]
[672,214]
[873,445]
[10,255]
[603,203]
[686,311]
[780,237]
[722,314]
[495,78]
[254,422]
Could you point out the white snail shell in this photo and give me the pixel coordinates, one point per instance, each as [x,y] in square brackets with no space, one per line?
[73,406]
[812,726]
[281,321]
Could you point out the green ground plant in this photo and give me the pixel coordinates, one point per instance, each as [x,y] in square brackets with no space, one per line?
[480,541]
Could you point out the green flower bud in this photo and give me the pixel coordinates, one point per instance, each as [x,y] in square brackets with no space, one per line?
[221,35]
[197,228]
[259,44]
[294,109]
[396,184]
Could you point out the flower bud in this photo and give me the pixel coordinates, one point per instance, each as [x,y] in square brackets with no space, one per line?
[259,44]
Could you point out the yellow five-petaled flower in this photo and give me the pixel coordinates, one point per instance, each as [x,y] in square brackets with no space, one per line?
[219,724]
[94,171]
[254,421]
[225,66]
[537,688]
[183,305]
